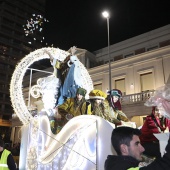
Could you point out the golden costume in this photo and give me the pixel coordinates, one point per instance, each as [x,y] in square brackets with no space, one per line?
[74,107]
[101,109]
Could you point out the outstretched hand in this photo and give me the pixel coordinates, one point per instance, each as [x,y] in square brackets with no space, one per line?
[73,50]
[48,53]
[56,112]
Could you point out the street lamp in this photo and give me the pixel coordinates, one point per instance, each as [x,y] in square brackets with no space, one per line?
[107,16]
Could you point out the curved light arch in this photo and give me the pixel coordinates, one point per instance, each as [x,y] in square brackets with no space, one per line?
[16,93]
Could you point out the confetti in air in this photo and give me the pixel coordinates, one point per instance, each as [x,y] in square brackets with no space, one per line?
[34,24]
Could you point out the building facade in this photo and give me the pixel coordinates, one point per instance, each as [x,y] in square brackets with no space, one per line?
[14,45]
[137,64]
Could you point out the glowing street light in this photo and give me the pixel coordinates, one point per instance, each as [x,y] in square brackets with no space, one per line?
[107,16]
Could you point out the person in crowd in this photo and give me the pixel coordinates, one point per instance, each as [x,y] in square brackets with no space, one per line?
[15,150]
[74,106]
[154,123]
[70,108]
[126,142]
[6,161]
[115,105]
[100,106]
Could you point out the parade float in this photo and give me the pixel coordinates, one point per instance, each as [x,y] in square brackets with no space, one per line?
[83,143]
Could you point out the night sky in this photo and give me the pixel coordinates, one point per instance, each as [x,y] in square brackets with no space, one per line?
[80,22]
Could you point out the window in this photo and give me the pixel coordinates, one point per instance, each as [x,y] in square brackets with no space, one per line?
[146,81]
[152,48]
[120,84]
[128,55]
[98,86]
[164,43]
[118,57]
[139,51]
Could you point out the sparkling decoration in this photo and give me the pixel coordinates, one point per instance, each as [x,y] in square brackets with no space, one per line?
[161,99]
[47,88]
[68,149]
[33,25]
[16,93]
[72,147]
[31,161]
[35,91]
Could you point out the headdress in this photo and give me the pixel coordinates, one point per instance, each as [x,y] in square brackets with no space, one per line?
[97,94]
[115,92]
[81,91]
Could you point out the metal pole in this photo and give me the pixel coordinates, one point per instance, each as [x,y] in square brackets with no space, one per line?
[29,95]
[110,76]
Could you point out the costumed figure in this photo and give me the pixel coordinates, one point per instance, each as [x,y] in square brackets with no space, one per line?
[71,74]
[100,107]
[60,72]
[154,123]
[41,149]
[115,105]
[75,78]
[73,106]
[157,122]
[56,61]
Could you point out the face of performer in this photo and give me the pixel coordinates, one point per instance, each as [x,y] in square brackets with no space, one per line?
[79,96]
[157,113]
[115,99]
[98,101]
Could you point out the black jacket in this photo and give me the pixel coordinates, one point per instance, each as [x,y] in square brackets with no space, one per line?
[114,162]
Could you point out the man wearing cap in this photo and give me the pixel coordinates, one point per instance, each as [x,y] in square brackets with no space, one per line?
[115,105]
[74,106]
[6,159]
[100,106]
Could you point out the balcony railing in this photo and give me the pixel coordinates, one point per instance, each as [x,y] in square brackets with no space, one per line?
[137,97]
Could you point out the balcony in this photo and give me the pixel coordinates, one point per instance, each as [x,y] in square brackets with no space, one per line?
[138,97]
[133,105]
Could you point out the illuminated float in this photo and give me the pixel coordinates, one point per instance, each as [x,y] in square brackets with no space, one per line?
[81,144]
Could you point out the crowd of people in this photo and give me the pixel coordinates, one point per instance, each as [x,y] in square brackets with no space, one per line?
[134,147]
[107,106]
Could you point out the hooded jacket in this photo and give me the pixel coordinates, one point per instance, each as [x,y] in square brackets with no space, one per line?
[152,125]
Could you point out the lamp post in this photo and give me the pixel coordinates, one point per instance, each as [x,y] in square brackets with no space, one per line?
[107,16]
